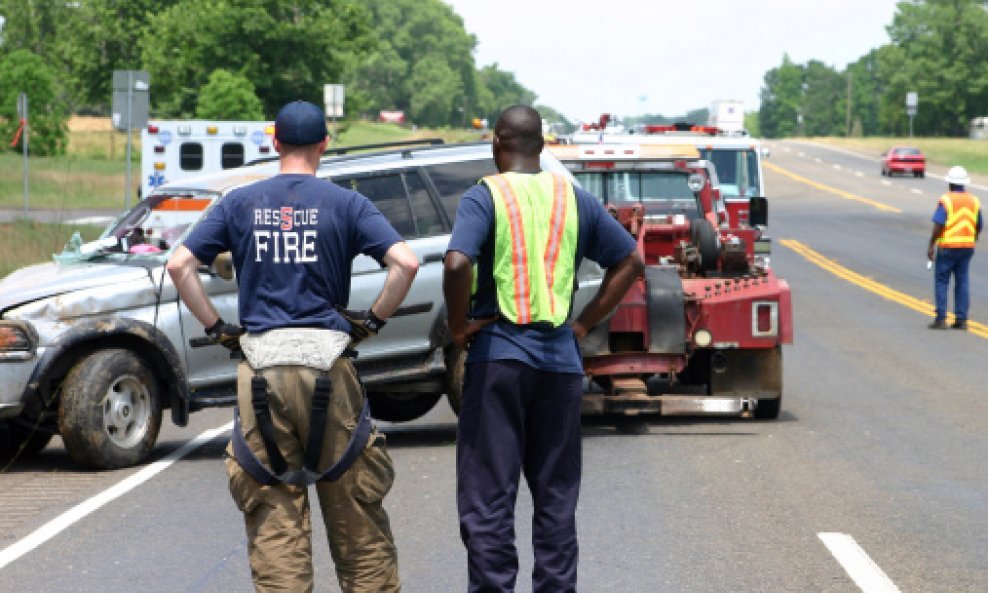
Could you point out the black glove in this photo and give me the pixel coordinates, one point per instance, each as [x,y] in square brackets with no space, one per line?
[361,328]
[226,334]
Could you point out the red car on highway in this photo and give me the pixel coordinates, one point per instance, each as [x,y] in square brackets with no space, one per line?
[904,159]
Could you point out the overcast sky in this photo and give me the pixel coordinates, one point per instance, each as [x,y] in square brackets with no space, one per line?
[586,57]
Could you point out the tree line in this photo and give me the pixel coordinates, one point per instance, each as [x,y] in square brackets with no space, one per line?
[938,49]
[243,59]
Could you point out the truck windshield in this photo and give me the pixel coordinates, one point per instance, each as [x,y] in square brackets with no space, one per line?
[665,192]
[737,170]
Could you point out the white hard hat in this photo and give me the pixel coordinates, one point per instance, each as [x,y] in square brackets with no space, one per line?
[957,176]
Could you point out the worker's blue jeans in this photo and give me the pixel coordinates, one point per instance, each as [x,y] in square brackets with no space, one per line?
[516,419]
[954,261]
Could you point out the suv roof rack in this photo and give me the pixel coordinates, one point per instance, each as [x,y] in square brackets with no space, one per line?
[348,149]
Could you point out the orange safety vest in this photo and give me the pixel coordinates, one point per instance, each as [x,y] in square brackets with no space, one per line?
[962,220]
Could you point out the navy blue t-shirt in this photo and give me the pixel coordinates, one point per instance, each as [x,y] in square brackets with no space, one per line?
[293,239]
[601,238]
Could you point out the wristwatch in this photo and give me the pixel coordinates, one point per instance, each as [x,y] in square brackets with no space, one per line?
[373,322]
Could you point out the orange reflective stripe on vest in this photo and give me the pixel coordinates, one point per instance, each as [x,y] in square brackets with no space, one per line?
[960,229]
[555,233]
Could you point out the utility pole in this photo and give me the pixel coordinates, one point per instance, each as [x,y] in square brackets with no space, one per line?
[847,123]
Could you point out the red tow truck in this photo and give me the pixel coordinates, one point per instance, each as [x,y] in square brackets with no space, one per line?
[701,331]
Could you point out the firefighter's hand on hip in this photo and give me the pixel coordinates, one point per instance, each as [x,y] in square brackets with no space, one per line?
[226,334]
[362,328]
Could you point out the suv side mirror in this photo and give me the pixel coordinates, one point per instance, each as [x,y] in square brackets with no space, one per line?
[223,266]
[758,211]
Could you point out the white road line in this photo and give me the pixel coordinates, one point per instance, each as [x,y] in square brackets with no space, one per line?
[79,511]
[858,565]
[886,182]
[859,173]
[916,191]
[800,153]
[817,160]
[836,166]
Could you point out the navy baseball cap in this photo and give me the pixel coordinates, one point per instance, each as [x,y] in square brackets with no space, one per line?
[300,123]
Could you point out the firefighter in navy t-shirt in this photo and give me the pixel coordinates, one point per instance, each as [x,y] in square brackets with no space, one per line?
[293,238]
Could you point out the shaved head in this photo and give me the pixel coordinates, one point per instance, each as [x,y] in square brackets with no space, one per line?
[519,131]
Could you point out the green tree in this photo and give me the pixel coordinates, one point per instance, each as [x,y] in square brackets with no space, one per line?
[98,37]
[416,36]
[288,50]
[944,46]
[781,100]
[32,25]
[824,99]
[229,96]
[505,91]
[867,82]
[22,71]
[438,87]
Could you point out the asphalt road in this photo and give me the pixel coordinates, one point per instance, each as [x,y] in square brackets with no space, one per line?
[873,478]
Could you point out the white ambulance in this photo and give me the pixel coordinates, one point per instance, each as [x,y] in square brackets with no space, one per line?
[174,149]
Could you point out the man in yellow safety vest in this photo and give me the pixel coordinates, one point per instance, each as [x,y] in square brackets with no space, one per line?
[956,225]
[526,231]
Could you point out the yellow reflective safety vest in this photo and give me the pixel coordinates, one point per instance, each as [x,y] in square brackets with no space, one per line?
[962,219]
[535,234]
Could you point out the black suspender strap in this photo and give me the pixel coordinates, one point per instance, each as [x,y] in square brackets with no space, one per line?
[317,422]
[262,412]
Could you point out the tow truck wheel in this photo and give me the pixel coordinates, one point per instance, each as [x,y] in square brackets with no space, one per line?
[704,236]
[109,414]
[455,369]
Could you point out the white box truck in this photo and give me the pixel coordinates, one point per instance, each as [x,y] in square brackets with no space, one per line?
[727,116]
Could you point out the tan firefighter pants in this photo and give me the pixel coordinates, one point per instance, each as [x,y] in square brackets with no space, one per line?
[279,530]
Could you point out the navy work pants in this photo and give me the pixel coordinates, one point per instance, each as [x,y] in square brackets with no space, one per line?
[514,419]
[953,261]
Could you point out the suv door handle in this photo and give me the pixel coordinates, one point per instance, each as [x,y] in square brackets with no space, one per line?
[428,258]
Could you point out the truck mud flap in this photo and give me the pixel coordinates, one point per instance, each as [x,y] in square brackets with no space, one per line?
[666,317]
[747,373]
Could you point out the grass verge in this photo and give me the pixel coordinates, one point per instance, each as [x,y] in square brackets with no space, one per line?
[25,242]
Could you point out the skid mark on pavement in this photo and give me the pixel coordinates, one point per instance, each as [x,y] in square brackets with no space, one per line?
[911,302]
[867,575]
[837,192]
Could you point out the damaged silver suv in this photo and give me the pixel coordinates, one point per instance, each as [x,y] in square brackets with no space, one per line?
[95,345]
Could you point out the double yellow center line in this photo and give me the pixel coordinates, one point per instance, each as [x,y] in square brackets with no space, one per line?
[833,190]
[918,305]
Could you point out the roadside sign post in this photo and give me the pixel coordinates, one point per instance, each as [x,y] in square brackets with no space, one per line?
[912,104]
[22,114]
[130,110]
[333,96]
